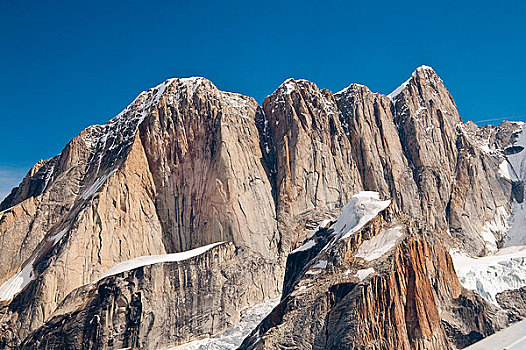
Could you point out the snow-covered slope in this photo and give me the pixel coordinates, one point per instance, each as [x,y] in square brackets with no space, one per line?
[504,268]
[362,208]
[10,288]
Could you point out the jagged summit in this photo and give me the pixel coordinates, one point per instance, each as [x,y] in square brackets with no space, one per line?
[352,87]
[291,84]
[421,75]
[422,71]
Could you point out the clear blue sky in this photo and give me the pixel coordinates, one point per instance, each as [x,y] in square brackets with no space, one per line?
[67,65]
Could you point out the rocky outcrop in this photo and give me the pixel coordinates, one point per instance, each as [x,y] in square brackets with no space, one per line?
[514,301]
[158,305]
[406,298]
[311,160]
[411,146]
[203,151]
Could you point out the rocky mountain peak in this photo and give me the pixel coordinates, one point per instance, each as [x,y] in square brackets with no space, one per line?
[353,88]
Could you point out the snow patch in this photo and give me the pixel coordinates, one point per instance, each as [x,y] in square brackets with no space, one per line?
[351,87]
[485,148]
[362,274]
[96,185]
[322,264]
[289,86]
[362,208]
[155,259]
[18,282]
[398,90]
[380,244]
[506,171]
[310,243]
[324,224]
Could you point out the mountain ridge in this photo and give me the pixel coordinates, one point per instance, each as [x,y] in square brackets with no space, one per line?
[187,165]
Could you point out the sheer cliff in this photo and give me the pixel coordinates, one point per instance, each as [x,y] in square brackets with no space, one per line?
[187,165]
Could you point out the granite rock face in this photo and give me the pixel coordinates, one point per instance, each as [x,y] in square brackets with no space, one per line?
[388,286]
[186,165]
[198,297]
[178,169]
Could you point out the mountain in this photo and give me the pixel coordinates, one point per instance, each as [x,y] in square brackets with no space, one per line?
[378,221]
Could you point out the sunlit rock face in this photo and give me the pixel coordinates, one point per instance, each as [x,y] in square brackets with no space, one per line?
[186,166]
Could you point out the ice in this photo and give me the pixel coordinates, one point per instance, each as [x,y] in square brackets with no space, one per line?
[234,335]
[380,244]
[492,274]
[155,259]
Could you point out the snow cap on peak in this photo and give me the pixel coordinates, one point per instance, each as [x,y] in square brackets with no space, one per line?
[428,71]
[424,67]
[291,84]
[192,80]
[287,86]
[352,87]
